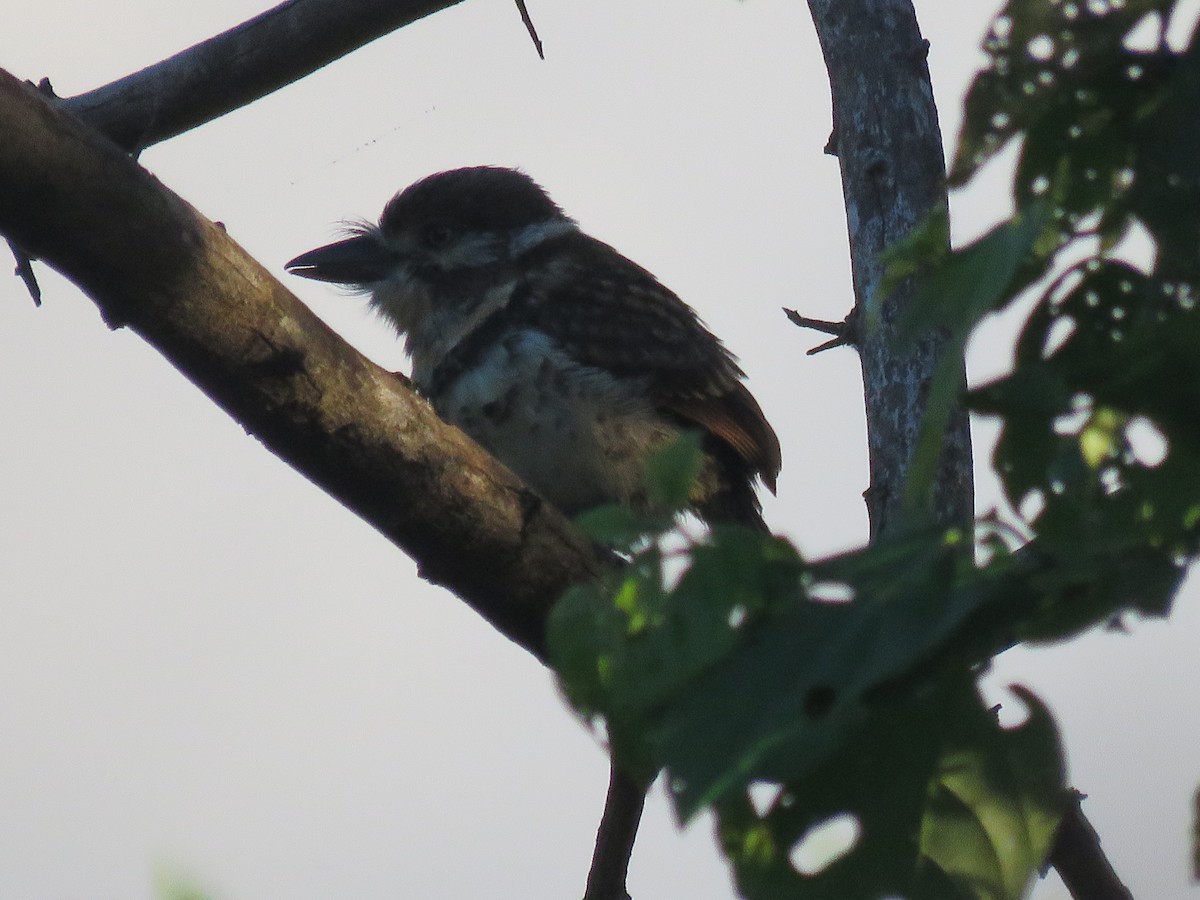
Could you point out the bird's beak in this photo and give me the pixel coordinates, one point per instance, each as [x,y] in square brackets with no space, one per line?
[362,259]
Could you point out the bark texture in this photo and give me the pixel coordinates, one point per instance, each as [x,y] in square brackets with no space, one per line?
[889,147]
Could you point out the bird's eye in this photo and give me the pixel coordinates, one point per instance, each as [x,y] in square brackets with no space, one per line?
[436,235]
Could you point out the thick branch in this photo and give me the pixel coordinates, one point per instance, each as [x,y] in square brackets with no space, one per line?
[151,262]
[238,66]
[887,141]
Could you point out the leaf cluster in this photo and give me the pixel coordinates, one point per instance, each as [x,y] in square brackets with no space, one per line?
[783,693]
[1099,451]
[839,688]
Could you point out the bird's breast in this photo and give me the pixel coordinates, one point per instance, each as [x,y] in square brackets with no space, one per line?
[577,434]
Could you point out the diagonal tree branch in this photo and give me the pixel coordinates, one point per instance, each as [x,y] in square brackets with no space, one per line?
[239,66]
[152,263]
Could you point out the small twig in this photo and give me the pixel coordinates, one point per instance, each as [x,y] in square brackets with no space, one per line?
[1196,837]
[1080,861]
[845,333]
[815,324]
[24,271]
[614,840]
[831,145]
[533,35]
[828,345]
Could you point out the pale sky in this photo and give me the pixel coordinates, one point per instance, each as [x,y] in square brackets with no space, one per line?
[209,667]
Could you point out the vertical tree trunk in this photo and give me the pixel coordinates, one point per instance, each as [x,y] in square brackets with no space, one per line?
[889,147]
[888,144]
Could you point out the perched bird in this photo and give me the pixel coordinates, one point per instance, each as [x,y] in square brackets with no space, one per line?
[568,362]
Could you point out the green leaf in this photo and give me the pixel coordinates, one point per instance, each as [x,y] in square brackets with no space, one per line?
[1106,366]
[919,251]
[785,696]
[584,634]
[847,684]
[614,525]
[173,884]
[626,646]
[977,279]
[947,805]
[1046,61]
[995,803]
[1165,194]
[963,287]
[672,472]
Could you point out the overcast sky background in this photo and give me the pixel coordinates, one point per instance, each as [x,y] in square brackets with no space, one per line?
[209,667]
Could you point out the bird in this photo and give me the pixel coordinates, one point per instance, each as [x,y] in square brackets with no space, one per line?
[564,359]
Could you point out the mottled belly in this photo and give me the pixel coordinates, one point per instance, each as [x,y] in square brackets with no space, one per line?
[575,434]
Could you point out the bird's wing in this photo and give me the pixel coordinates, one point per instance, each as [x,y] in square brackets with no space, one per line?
[611,314]
[736,418]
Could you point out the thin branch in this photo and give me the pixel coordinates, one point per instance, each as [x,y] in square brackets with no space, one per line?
[24,271]
[821,325]
[533,35]
[833,344]
[845,332]
[1196,836]
[239,66]
[1080,861]
[615,838]
[151,262]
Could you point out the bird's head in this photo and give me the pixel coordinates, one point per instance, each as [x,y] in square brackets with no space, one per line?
[441,245]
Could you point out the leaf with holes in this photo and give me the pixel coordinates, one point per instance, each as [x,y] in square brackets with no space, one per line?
[790,693]
[1099,415]
[1046,64]
[942,802]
